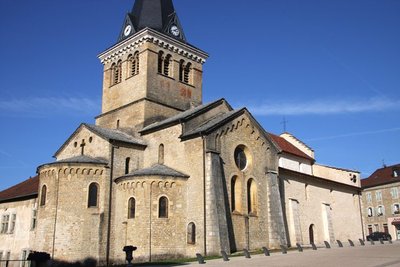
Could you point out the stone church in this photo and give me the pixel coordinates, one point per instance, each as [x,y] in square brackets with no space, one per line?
[174,176]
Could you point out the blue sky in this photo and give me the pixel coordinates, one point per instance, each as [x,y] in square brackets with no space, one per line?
[331,68]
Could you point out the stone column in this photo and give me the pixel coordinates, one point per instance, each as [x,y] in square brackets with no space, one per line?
[217,227]
[277,232]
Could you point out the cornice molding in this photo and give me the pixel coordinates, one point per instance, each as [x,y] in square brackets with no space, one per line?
[148,35]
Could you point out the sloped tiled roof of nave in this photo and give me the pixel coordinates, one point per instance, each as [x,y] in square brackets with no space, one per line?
[27,188]
[287,147]
[214,122]
[155,170]
[183,116]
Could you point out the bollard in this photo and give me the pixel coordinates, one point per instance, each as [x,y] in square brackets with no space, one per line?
[266,251]
[200,258]
[327,245]
[299,248]
[361,242]
[372,242]
[314,247]
[381,240]
[224,255]
[284,249]
[351,243]
[246,254]
[339,243]
[129,254]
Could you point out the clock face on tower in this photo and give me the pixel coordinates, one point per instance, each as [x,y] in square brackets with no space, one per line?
[127,30]
[174,30]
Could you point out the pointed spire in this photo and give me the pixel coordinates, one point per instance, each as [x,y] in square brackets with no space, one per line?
[159,15]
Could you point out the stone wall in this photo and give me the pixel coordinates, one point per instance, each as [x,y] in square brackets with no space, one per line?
[331,210]
[67,228]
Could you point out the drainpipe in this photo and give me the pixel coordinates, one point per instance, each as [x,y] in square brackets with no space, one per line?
[150,209]
[204,196]
[109,205]
[56,214]
[362,222]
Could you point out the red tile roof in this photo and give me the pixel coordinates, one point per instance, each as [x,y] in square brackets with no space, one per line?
[25,189]
[287,147]
[382,176]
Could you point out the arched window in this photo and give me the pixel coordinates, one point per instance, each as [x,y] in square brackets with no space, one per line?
[233,198]
[251,197]
[160,61]
[133,61]
[161,154]
[93,195]
[236,194]
[167,64]
[131,208]
[163,207]
[43,195]
[396,209]
[191,233]
[380,210]
[116,72]
[181,70]
[370,212]
[186,74]
[127,161]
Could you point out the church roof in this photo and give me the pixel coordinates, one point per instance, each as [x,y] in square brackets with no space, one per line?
[155,170]
[83,159]
[116,135]
[159,15]
[213,123]
[24,190]
[287,147]
[382,176]
[183,116]
[107,134]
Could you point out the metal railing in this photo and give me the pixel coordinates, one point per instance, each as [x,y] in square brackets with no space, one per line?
[15,263]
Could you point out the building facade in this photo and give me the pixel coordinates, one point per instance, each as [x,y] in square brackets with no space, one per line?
[163,171]
[381,201]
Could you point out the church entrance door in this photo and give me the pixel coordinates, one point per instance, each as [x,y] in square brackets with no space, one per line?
[311,233]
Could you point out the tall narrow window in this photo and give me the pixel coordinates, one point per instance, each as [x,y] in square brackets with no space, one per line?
[167,64]
[131,208]
[4,223]
[396,209]
[186,74]
[251,196]
[133,61]
[43,195]
[12,224]
[93,195]
[370,212]
[116,70]
[34,219]
[160,61]
[181,70]
[191,233]
[163,207]
[127,162]
[161,154]
[233,195]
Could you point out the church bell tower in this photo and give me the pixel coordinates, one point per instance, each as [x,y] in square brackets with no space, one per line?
[152,72]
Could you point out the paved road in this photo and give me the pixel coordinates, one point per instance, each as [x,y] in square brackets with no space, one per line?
[387,255]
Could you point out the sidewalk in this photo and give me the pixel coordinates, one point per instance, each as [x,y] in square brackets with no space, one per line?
[366,256]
